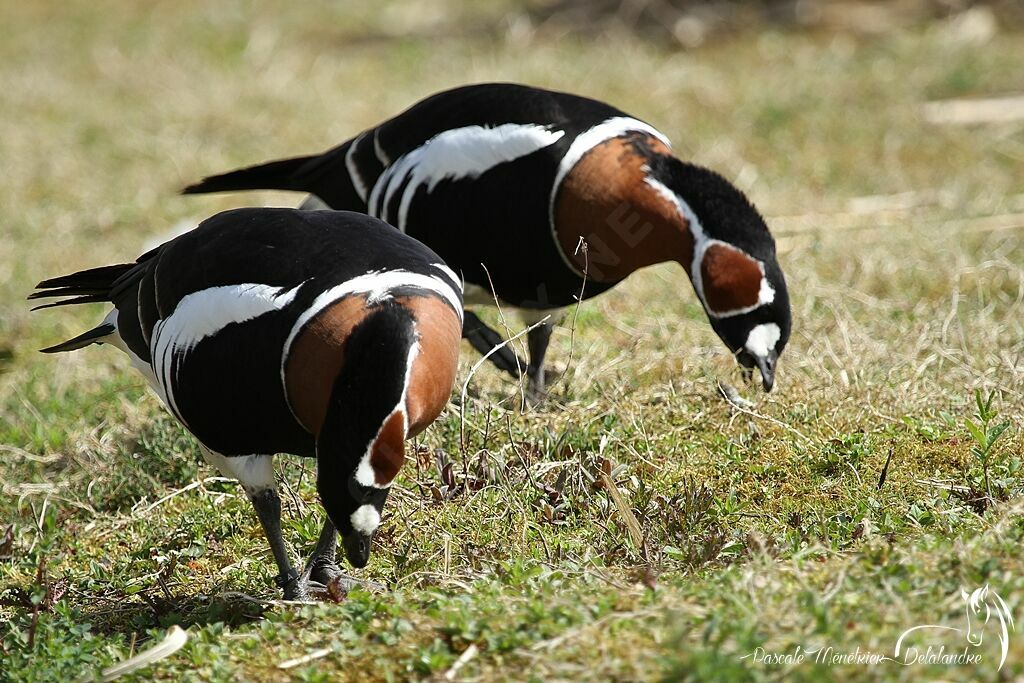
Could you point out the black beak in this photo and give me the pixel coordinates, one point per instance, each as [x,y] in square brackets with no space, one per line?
[766,365]
[357,548]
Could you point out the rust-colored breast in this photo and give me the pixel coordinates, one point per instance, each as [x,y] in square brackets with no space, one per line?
[433,370]
[731,279]
[626,224]
[316,357]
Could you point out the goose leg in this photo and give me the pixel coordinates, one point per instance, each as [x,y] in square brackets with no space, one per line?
[483,339]
[268,508]
[323,568]
[256,475]
[537,341]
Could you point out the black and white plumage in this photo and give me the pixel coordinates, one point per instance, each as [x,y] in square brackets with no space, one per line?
[507,182]
[324,334]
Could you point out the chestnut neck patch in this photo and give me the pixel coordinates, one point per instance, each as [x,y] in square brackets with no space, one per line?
[732,280]
[388,450]
[430,368]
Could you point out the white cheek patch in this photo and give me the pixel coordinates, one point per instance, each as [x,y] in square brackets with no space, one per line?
[365,475]
[365,519]
[767,293]
[762,339]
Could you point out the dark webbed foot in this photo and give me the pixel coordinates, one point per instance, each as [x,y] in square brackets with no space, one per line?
[322,577]
[298,587]
[326,572]
[323,580]
[323,570]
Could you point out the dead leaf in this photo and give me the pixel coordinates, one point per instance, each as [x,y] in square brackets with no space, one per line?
[632,525]
[649,578]
[448,476]
[7,544]
[336,591]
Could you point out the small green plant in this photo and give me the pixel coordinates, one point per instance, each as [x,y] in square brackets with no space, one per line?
[841,454]
[985,434]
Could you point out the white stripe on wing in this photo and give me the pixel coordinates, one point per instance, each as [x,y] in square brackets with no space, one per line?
[203,314]
[454,154]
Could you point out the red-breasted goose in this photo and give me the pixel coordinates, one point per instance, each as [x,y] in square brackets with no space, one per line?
[324,334]
[506,182]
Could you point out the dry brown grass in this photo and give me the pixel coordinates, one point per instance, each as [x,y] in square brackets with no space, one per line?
[901,241]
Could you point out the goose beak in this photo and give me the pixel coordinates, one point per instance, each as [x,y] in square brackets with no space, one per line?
[766,364]
[357,548]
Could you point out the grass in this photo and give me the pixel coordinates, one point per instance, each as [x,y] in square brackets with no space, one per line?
[840,510]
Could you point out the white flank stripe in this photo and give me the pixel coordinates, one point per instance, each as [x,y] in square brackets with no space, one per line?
[138,311]
[117,341]
[254,472]
[353,171]
[458,153]
[202,314]
[584,142]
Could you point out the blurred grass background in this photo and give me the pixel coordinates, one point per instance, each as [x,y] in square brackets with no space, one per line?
[900,237]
